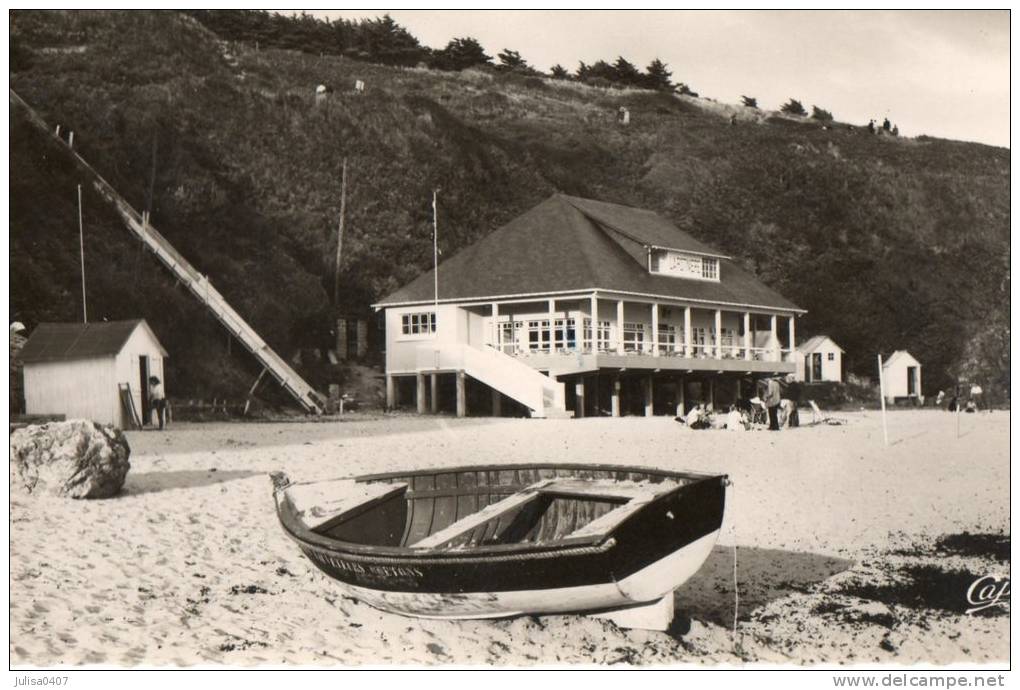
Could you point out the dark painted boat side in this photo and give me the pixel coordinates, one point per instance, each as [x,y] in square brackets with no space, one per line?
[672,521]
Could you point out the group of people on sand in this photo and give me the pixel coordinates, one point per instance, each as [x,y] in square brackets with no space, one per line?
[957,400]
[768,409]
[704,416]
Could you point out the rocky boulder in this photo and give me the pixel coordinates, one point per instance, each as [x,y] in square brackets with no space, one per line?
[76,458]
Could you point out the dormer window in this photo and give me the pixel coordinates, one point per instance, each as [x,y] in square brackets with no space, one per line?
[683,265]
[709,268]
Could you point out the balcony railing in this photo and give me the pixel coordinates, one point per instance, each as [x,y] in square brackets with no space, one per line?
[678,349]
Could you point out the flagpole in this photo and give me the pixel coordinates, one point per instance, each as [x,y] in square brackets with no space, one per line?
[435,247]
[340,237]
[81,247]
[881,394]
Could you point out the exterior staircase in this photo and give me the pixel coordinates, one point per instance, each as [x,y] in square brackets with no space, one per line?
[541,394]
[199,284]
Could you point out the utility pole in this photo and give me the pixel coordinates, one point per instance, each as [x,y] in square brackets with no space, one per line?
[340,234]
[435,247]
[152,181]
[81,247]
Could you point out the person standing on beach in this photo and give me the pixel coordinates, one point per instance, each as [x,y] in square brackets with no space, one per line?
[157,400]
[773,397]
[17,380]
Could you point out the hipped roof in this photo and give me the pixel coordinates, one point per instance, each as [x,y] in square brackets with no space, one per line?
[52,342]
[570,244]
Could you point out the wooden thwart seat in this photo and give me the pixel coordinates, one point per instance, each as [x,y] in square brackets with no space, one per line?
[610,520]
[632,496]
[471,522]
[322,505]
[607,489]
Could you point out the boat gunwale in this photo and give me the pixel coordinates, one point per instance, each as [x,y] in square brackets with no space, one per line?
[670,474]
[297,531]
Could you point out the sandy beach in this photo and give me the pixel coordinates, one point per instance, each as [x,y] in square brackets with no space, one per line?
[848,551]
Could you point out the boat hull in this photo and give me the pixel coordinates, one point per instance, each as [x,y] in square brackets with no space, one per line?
[641,560]
[645,586]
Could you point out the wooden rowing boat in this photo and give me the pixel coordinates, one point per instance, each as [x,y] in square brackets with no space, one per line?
[493,541]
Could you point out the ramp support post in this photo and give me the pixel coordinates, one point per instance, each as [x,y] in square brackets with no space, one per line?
[419,390]
[461,394]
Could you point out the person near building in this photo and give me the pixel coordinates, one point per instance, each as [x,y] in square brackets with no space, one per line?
[17,385]
[773,398]
[157,399]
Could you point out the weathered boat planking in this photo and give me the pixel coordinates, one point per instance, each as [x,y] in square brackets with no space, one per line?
[493,541]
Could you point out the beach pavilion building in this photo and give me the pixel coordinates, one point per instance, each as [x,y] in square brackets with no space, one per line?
[584,307]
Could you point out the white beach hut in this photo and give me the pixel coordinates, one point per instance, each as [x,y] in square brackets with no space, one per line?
[901,374]
[819,358]
[77,370]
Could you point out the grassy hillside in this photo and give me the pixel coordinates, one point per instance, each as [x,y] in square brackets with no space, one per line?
[889,243]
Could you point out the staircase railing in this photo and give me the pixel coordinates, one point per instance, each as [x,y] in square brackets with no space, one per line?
[502,372]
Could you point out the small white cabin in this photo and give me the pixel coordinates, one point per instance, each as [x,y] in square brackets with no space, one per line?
[76,369]
[819,358]
[901,374]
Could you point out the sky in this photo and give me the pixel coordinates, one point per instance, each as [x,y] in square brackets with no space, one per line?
[940,73]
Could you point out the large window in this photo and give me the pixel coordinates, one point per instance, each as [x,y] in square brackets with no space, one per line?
[728,341]
[698,341]
[422,323]
[564,334]
[633,337]
[508,335]
[667,338]
[601,334]
[538,335]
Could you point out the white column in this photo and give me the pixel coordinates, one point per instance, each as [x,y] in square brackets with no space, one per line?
[619,327]
[747,335]
[594,323]
[655,330]
[688,349]
[793,335]
[579,399]
[552,323]
[419,392]
[718,333]
[773,324]
[497,333]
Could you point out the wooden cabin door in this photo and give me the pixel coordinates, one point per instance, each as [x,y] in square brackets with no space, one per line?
[143,376]
[816,366]
[911,380]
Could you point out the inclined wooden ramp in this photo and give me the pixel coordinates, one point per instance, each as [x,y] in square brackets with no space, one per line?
[199,284]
